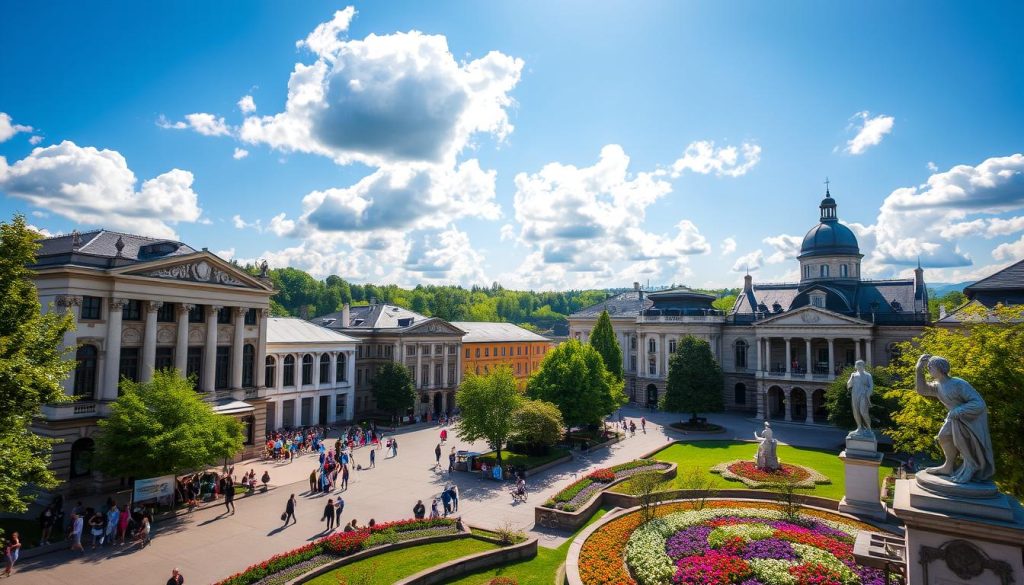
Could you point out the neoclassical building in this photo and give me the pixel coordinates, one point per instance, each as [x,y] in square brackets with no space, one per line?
[430,347]
[488,345]
[309,374]
[141,304]
[782,343]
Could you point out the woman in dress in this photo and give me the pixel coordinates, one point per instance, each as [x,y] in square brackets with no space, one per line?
[11,552]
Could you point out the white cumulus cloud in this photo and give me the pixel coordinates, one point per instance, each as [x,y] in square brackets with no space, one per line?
[728,246]
[96,187]
[870,131]
[8,128]
[240,153]
[703,157]
[749,262]
[247,104]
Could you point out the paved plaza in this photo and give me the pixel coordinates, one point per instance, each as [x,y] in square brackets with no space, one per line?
[208,545]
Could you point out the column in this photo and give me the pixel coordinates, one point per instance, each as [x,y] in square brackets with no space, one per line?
[333,377]
[419,366]
[112,369]
[444,369]
[789,353]
[807,347]
[278,415]
[662,351]
[71,305]
[458,364]
[760,393]
[181,344]
[758,344]
[261,349]
[209,375]
[279,373]
[314,416]
[768,352]
[236,348]
[810,406]
[789,403]
[316,373]
[831,358]
[149,341]
[856,349]
[867,352]
[350,396]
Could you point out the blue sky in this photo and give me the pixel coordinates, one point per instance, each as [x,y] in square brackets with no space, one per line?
[538,144]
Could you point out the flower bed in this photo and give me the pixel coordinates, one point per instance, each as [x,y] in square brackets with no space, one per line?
[747,472]
[728,542]
[280,568]
[578,493]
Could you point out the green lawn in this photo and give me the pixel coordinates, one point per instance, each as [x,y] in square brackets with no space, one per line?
[539,570]
[706,454]
[527,461]
[385,569]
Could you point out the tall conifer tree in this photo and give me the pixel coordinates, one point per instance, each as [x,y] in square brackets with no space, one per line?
[694,379]
[602,338]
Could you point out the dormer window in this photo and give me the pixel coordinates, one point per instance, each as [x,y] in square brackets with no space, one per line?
[818,299]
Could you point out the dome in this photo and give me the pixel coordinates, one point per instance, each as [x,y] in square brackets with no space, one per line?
[829,237]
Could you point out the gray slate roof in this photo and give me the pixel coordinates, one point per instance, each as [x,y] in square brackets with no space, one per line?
[479,332]
[626,304]
[850,299]
[295,330]
[372,317]
[98,249]
[1009,278]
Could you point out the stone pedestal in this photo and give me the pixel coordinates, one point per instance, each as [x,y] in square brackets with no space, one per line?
[959,540]
[863,495]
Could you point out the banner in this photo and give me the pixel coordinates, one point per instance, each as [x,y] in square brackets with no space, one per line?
[159,489]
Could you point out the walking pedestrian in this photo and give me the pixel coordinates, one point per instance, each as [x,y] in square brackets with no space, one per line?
[11,551]
[446,500]
[312,481]
[122,524]
[437,456]
[96,528]
[144,531]
[265,479]
[176,578]
[632,428]
[419,510]
[434,512]
[328,515]
[77,525]
[339,507]
[451,461]
[229,495]
[643,424]
[289,511]
[344,477]
[455,497]
[394,447]
[373,458]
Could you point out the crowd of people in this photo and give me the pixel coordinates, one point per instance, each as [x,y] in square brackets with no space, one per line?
[112,524]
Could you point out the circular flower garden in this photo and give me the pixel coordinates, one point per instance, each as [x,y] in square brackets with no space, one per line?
[725,543]
[753,476]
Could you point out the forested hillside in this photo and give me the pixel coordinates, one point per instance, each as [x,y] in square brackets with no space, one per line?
[301,295]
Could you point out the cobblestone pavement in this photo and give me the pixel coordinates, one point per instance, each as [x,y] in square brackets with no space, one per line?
[208,545]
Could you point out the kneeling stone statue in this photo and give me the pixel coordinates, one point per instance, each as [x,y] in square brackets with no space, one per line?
[766,457]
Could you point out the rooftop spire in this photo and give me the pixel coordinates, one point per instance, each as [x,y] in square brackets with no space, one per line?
[826,186]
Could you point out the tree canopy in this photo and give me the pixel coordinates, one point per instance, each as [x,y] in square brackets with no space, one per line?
[538,424]
[487,407]
[986,353]
[31,368]
[573,377]
[393,388]
[163,427]
[694,379]
[603,340]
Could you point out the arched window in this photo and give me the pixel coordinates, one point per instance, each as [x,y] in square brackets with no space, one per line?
[325,369]
[741,354]
[269,379]
[740,393]
[85,371]
[341,372]
[807,271]
[289,371]
[307,369]
[81,457]
[823,270]
[652,346]
[844,271]
[248,366]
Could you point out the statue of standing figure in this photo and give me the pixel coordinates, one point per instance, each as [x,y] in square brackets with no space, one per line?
[861,385]
[766,457]
[965,432]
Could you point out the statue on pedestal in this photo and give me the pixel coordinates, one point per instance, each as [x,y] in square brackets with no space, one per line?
[766,458]
[965,432]
[861,386]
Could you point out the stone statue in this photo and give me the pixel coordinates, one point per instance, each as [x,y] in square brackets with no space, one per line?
[766,457]
[861,385]
[263,269]
[965,432]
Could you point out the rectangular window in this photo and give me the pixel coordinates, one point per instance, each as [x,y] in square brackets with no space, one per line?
[467,352]
[129,366]
[91,308]
[359,377]
[196,314]
[437,375]
[424,377]
[165,314]
[194,363]
[289,371]
[451,375]
[339,407]
[164,358]
[438,350]
[671,345]
[224,315]
[132,311]
[250,317]
[410,350]
[487,352]
[503,352]
[222,373]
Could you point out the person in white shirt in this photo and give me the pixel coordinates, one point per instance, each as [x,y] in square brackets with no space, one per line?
[77,525]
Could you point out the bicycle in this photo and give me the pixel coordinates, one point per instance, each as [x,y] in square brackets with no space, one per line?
[518,497]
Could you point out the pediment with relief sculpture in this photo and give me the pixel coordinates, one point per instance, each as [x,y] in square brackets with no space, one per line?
[202,268]
[810,316]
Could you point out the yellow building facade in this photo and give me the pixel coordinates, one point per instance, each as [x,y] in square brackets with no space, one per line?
[489,345]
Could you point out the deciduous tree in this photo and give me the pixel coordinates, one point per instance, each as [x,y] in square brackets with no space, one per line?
[538,424]
[163,427]
[487,407]
[31,368]
[574,378]
[694,379]
[393,388]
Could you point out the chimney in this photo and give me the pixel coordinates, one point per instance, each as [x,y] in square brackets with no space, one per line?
[344,315]
[636,285]
[942,311]
[76,240]
[748,283]
[919,276]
